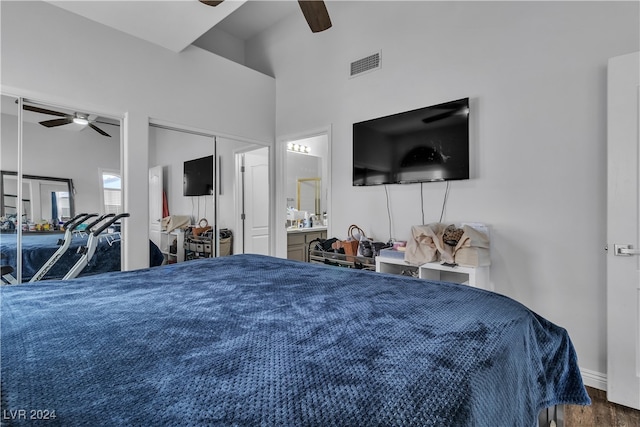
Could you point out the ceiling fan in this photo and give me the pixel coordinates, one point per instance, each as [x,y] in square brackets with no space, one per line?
[78,118]
[314,11]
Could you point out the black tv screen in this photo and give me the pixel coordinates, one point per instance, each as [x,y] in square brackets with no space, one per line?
[427,144]
[198,177]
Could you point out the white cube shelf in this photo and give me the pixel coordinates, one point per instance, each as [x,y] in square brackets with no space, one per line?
[473,276]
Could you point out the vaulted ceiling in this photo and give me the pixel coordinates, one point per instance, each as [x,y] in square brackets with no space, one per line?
[177,24]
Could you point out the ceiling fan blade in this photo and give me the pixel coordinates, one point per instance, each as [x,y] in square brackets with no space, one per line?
[97,129]
[316,14]
[210,2]
[43,110]
[57,122]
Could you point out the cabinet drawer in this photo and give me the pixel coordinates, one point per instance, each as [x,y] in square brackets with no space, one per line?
[296,239]
[314,235]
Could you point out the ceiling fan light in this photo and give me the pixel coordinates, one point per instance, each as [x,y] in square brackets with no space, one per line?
[80,121]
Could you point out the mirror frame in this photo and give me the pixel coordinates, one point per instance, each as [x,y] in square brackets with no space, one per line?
[317,190]
[68,181]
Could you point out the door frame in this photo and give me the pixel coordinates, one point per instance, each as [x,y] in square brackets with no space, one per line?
[280,216]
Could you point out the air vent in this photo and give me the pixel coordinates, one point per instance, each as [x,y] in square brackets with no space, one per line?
[365,65]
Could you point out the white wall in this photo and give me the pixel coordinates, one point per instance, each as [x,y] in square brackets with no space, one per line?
[536,76]
[60,58]
[61,153]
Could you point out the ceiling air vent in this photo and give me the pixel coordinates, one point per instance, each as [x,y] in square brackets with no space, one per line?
[365,65]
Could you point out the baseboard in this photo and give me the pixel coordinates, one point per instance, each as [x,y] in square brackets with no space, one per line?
[594,379]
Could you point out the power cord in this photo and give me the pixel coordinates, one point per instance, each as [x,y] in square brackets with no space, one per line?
[388,210]
[422,201]
[444,201]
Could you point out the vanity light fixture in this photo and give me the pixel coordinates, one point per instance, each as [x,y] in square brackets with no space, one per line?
[297,148]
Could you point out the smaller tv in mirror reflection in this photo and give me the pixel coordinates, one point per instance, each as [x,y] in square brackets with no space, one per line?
[427,144]
[198,177]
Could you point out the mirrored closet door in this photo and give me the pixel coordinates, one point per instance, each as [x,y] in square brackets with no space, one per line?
[10,200]
[57,162]
[208,194]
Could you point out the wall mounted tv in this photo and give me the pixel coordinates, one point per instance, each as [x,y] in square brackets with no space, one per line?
[427,144]
[198,177]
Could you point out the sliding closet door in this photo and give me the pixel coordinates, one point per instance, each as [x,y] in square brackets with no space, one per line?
[70,164]
[182,179]
[236,204]
[10,204]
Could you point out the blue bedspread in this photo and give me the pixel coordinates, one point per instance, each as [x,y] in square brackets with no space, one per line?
[38,248]
[248,340]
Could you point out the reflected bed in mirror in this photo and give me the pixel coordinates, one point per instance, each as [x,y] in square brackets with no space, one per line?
[45,200]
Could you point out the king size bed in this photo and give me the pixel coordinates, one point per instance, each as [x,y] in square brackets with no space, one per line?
[251,340]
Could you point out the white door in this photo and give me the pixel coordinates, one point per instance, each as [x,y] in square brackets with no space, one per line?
[623,228]
[155,204]
[256,201]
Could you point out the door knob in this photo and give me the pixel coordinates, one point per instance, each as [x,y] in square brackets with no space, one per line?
[625,250]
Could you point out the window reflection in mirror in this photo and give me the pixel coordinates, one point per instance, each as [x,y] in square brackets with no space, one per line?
[111,191]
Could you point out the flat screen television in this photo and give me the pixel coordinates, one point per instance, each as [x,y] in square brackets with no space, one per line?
[427,144]
[198,177]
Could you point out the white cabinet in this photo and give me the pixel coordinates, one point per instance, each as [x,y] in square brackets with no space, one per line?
[172,246]
[473,276]
[478,277]
[396,266]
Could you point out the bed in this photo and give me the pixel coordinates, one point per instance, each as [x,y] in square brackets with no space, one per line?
[249,340]
[37,248]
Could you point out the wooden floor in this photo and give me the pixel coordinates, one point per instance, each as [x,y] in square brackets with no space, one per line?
[600,413]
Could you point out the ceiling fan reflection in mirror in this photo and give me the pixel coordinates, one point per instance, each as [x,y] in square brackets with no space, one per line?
[314,11]
[66,119]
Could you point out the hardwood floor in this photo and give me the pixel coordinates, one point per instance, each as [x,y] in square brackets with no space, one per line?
[601,413]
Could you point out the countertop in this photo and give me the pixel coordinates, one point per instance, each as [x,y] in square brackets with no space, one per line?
[306,230]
